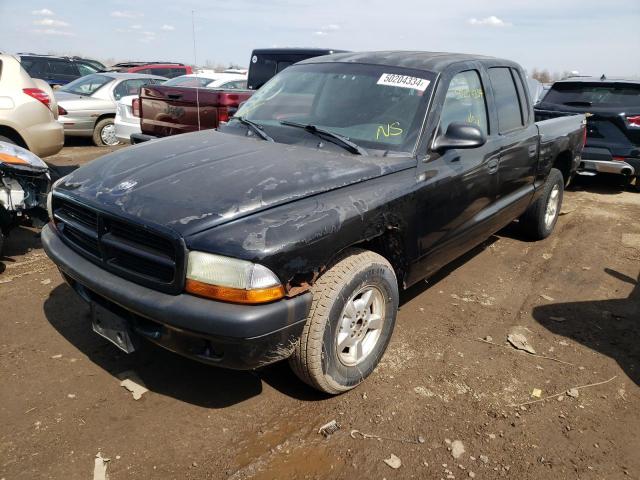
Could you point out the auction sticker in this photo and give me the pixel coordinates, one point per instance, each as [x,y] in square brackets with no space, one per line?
[403,81]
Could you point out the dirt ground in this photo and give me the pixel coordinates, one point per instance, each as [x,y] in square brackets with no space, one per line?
[575,296]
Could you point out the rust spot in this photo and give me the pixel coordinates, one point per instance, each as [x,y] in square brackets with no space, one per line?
[298,284]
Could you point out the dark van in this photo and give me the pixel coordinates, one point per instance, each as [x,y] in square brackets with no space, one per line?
[266,62]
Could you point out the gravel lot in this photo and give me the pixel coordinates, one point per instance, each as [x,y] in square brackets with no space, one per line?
[575,296]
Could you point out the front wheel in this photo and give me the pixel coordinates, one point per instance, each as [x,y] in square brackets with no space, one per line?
[350,323]
[540,218]
[104,133]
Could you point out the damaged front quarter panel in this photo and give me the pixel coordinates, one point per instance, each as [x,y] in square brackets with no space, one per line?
[300,240]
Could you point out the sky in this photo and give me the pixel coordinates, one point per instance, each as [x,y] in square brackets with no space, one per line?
[591,37]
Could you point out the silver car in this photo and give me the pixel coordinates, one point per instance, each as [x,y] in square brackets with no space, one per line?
[87,106]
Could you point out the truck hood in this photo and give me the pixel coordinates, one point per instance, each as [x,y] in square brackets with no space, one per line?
[193,182]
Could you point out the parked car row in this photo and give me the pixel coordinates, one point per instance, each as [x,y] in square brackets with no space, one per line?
[143,106]
[88,104]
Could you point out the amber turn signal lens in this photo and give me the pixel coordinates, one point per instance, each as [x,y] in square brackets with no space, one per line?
[6,158]
[234,295]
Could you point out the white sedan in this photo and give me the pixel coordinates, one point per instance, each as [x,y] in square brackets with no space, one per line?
[127,120]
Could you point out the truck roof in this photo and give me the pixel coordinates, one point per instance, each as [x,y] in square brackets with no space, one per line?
[431,61]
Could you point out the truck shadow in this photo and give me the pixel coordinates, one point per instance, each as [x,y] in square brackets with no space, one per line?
[602,184]
[164,372]
[20,241]
[611,327]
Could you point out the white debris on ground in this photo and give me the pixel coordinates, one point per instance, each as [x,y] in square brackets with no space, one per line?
[520,342]
[457,449]
[133,383]
[393,461]
[100,468]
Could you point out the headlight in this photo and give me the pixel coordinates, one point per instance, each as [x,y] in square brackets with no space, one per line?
[231,280]
[20,158]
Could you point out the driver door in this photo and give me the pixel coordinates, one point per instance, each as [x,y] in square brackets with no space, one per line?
[454,209]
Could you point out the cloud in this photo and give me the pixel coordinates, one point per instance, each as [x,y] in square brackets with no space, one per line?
[167,28]
[136,26]
[43,11]
[50,22]
[324,31]
[54,32]
[491,21]
[148,36]
[126,14]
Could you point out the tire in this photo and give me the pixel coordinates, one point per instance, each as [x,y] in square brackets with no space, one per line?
[540,218]
[100,135]
[7,140]
[316,359]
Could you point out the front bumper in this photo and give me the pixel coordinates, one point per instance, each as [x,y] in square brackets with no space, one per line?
[228,335]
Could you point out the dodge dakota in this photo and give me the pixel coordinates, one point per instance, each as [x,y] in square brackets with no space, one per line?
[289,233]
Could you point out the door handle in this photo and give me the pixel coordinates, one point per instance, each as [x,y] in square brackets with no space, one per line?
[492,165]
[533,149]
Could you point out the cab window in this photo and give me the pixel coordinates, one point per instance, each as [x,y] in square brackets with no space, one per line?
[506,98]
[465,102]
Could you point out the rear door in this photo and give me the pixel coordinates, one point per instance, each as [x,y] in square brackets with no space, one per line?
[455,204]
[518,142]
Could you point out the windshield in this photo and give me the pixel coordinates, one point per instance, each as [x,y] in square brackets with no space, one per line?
[624,95]
[87,85]
[185,81]
[377,107]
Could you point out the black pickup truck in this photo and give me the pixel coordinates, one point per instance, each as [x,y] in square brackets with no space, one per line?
[289,233]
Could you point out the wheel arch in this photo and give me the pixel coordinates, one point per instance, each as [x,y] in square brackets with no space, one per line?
[14,135]
[563,162]
[102,117]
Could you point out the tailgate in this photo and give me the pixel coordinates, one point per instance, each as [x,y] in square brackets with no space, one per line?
[168,111]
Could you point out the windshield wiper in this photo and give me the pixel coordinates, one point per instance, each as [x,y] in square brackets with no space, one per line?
[332,137]
[255,128]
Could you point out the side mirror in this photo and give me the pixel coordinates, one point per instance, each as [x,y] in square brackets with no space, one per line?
[460,135]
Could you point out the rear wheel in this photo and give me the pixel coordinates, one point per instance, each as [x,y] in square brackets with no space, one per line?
[7,140]
[350,323]
[104,133]
[540,218]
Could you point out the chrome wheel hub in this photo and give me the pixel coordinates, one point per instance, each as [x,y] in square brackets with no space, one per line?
[360,326]
[552,207]
[108,135]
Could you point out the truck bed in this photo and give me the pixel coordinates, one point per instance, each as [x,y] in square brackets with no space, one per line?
[168,111]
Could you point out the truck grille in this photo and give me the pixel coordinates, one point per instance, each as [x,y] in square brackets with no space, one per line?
[144,256]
